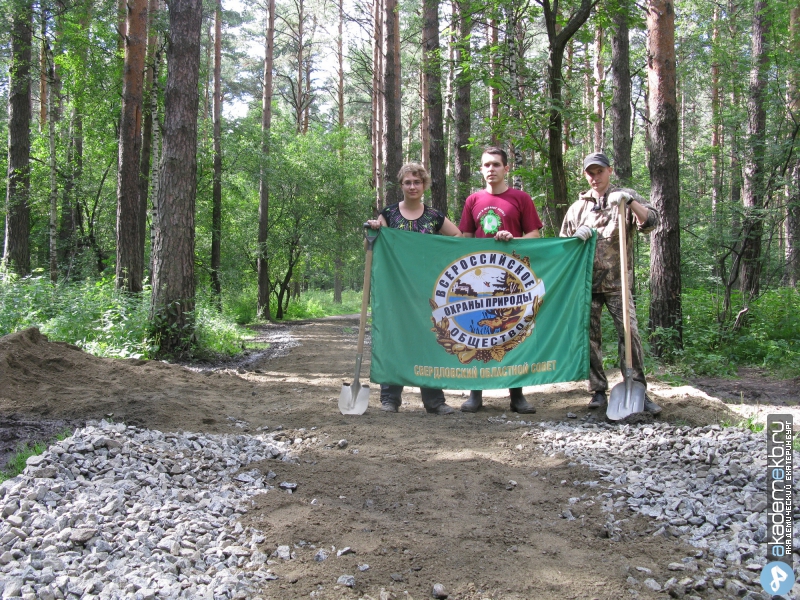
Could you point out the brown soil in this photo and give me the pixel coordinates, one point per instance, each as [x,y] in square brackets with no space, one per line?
[464,500]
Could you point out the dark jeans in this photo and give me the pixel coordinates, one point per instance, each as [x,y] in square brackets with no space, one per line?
[431,398]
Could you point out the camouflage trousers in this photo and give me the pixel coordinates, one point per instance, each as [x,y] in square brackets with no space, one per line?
[597,377]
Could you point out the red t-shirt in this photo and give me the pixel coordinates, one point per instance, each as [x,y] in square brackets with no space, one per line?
[485,214]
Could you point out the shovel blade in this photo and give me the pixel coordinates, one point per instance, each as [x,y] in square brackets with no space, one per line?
[626,399]
[354,399]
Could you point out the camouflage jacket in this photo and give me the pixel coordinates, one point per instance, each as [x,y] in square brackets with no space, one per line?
[600,216]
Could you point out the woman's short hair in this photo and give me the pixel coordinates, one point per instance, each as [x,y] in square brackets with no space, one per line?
[417,170]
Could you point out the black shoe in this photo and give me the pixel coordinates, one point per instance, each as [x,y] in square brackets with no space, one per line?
[599,400]
[389,407]
[474,403]
[519,404]
[651,407]
[442,409]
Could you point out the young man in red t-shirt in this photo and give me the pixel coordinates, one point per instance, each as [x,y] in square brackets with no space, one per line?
[503,213]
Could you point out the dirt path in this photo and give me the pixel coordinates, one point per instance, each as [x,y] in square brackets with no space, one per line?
[462,500]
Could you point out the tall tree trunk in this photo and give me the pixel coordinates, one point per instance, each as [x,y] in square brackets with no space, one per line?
[67,221]
[425,115]
[392,130]
[51,109]
[300,83]
[716,125]
[557,43]
[150,108]
[155,169]
[736,170]
[71,227]
[447,101]
[665,252]
[130,268]
[433,100]
[216,194]
[208,81]
[565,143]
[494,90]
[587,93]
[378,104]
[599,77]
[308,68]
[792,226]
[513,47]
[340,68]
[43,72]
[462,102]
[16,252]
[173,298]
[338,262]
[754,190]
[263,187]
[621,95]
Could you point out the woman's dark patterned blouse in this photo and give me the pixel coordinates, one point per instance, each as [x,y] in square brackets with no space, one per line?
[430,221]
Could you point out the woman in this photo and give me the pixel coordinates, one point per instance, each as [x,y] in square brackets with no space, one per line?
[412,215]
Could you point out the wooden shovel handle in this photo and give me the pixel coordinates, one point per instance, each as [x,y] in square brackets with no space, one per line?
[369,240]
[626,290]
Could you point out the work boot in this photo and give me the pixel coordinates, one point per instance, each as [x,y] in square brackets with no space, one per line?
[651,407]
[474,403]
[599,400]
[434,403]
[391,397]
[518,402]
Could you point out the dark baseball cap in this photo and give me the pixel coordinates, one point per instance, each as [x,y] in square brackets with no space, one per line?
[596,158]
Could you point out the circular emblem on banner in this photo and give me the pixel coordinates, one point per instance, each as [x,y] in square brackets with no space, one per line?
[485,304]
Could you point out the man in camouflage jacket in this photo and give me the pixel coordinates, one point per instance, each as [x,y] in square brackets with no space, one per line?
[598,209]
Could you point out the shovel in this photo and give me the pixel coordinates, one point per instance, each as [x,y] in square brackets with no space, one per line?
[354,398]
[626,397]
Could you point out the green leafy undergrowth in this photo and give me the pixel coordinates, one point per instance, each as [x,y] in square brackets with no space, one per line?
[16,464]
[750,423]
[314,304]
[769,339]
[93,315]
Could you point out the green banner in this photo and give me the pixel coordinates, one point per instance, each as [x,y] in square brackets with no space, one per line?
[477,314]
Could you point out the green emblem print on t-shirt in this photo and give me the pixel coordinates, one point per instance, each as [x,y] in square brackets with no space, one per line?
[490,222]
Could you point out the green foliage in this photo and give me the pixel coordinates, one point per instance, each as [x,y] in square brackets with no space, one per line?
[770,337]
[317,303]
[215,332]
[750,423]
[16,464]
[89,314]
[93,315]
[240,303]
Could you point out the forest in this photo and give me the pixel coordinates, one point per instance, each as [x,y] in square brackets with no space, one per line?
[176,168]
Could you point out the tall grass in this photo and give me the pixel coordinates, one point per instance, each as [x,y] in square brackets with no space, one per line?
[769,339]
[313,304]
[17,463]
[94,316]
[240,304]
